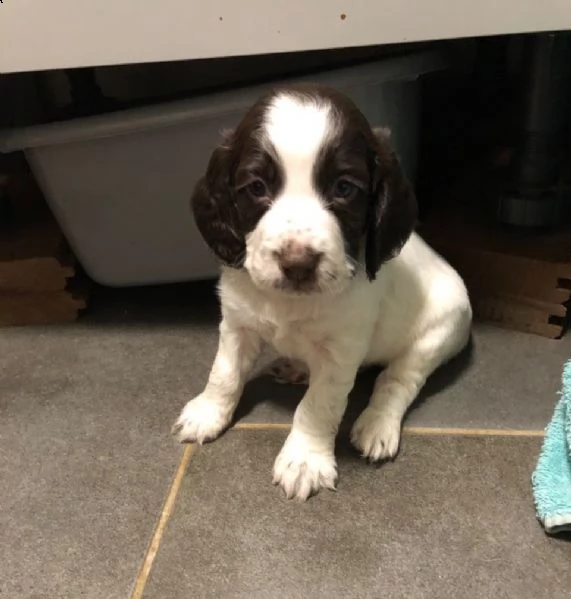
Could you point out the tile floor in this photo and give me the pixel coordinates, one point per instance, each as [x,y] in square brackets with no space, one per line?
[93,486]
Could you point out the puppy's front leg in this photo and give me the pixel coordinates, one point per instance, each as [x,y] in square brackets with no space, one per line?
[206,416]
[306,462]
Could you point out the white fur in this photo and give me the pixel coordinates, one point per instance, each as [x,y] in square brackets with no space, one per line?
[413,317]
[297,130]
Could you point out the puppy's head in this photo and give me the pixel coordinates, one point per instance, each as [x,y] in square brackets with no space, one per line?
[304,193]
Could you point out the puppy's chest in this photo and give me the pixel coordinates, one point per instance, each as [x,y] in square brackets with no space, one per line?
[293,337]
[294,332]
[302,328]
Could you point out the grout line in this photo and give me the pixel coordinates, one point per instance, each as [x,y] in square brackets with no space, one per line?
[166,512]
[410,430]
[472,432]
[261,426]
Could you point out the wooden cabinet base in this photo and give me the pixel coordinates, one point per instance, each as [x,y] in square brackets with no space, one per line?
[41,308]
[516,280]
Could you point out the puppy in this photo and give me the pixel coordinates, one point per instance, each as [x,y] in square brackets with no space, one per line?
[312,218]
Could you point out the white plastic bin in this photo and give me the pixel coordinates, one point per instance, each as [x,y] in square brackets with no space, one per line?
[119,184]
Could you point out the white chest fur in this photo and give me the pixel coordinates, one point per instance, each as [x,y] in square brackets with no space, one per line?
[302,327]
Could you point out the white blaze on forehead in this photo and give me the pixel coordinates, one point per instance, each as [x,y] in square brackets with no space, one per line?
[298,127]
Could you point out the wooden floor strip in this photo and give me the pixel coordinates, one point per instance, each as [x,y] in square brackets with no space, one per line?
[412,430]
[166,512]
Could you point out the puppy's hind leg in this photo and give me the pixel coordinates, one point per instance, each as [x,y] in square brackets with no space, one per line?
[376,433]
[283,370]
[288,371]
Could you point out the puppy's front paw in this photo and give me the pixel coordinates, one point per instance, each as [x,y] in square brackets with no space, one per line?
[376,434]
[301,470]
[286,371]
[201,420]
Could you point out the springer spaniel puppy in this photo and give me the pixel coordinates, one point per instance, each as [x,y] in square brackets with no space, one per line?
[310,213]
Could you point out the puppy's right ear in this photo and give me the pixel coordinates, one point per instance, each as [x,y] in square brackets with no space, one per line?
[214,208]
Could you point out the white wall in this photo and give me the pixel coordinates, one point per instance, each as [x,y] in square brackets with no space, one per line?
[49,34]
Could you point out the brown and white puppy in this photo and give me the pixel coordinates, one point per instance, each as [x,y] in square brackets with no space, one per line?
[311,215]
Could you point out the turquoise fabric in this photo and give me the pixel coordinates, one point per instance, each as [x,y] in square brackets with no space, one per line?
[551,479]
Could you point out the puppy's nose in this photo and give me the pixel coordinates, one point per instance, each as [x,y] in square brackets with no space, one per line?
[298,262]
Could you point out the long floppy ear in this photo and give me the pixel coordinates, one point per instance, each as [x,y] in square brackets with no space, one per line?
[214,208]
[393,211]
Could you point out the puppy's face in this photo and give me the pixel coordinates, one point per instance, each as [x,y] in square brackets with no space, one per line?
[302,192]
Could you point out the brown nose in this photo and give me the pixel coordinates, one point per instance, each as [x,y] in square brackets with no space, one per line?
[299,263]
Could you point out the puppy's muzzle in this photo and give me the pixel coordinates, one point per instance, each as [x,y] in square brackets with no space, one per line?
[299,263]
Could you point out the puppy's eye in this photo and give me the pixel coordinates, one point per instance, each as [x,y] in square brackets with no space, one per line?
[344,189]
[257,189]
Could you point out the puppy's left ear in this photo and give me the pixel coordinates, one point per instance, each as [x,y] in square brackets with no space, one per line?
[392,212]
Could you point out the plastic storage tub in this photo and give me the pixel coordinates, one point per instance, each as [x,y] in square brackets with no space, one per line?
[119,184]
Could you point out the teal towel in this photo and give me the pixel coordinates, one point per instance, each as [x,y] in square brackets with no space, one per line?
[552,477]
